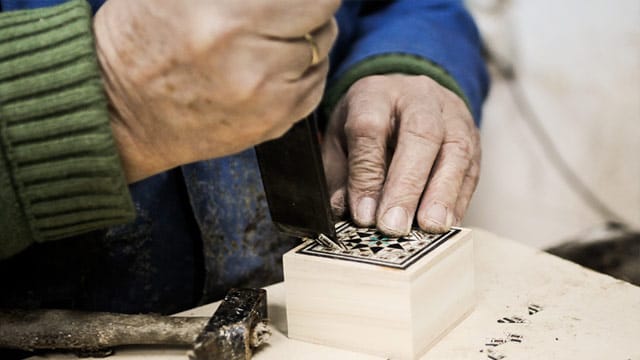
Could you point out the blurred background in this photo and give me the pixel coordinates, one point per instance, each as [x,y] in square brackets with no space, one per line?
[561,127]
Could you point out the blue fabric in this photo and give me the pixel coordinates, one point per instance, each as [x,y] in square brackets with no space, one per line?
[153,264]
[242,247]
[205,227]
[438,30]
[8,5]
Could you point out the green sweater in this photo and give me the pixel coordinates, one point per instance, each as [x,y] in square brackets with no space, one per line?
[60,174]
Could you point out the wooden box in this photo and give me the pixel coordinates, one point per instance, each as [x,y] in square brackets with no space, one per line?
[383,296]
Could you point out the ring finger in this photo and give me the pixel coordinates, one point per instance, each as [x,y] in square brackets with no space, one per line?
[298,55]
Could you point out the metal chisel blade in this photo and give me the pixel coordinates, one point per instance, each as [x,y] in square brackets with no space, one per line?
[294,182]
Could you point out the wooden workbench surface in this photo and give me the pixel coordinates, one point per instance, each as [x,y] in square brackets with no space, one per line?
[531,305]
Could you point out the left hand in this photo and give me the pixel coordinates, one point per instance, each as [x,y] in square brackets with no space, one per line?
[397,145]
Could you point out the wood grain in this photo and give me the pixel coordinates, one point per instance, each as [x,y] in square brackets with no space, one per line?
[390,312]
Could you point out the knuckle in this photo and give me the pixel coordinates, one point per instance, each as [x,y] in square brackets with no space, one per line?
[427,82]
[432,137]
[367,151]
[364,124]
[366,175]
[427,85]
[367,162]
[461,147]
[473,174]
[367,82]
[465,146]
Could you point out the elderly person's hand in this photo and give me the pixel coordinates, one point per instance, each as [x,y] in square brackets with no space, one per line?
[193,80]
[399,146]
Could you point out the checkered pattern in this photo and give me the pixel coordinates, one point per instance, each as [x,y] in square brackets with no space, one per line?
[371,246]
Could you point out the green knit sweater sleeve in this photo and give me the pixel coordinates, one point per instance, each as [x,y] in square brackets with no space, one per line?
[387,64]
[60,173]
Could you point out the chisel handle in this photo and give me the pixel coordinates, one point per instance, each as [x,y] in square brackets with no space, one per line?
[80,330]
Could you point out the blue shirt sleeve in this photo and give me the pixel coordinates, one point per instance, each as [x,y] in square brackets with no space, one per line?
[8,5]
[441,31]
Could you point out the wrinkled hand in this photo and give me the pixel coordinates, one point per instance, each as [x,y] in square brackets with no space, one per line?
[193,80]
[397,145]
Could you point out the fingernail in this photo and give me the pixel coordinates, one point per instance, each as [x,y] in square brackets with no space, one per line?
[396,220]
[437,214]
[366,211]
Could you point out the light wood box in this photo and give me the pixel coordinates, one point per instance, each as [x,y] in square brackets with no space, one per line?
[391,312]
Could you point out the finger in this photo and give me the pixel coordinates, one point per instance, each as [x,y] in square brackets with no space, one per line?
[367,129]
[300,99]
[420,135]
[319,45]
[287,59]
[291,18]
[338,202]
[311,85]
[436,212]
[324,38]
[468,188]
[335,162]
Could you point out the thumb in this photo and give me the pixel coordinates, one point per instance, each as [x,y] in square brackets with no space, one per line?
[335,166]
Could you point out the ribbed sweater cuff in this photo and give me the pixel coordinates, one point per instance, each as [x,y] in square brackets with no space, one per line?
[387,64]
[56,143]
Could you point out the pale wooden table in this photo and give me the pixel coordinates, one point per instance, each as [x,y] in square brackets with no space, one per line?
[583,314]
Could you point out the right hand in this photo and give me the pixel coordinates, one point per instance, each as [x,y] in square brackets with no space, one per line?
[194,80]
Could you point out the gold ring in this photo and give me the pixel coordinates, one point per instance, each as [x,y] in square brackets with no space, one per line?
[315,53]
